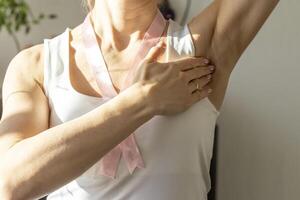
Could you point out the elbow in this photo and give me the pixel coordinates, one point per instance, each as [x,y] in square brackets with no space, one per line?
[12,190]
[9,194]
[8,191]
[15,186]
[5,191]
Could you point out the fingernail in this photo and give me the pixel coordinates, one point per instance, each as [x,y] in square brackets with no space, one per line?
[209,91]
[209,77]
[206,61]
[211,68]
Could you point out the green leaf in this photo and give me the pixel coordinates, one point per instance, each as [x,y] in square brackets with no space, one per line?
[41,16]
[52,16]
[17,14]
[27,29]
[35,21]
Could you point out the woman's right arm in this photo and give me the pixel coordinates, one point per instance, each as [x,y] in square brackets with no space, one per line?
[36,159]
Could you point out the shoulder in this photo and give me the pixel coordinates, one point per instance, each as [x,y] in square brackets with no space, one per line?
[28,62]
[28,56]
[25,70]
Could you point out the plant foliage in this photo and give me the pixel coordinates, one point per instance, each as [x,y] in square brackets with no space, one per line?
[17,14]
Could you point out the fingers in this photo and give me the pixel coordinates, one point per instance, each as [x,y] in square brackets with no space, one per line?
[155,52]
[197,73]
[190,63]
[199,84]
[200,94]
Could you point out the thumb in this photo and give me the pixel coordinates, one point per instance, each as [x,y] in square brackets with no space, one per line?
[155,51]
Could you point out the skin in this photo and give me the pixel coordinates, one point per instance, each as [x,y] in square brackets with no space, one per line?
[52,153]
[221,33]
[51,158]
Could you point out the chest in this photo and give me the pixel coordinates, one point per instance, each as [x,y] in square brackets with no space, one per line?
[117,63]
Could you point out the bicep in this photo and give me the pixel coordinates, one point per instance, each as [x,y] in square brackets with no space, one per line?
[222,31]
[238,21]
[202,29]
[25,107]
[226,27]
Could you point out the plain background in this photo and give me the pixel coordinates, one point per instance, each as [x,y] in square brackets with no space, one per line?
[259,151]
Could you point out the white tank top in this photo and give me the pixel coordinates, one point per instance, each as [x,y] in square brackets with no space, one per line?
[177,149]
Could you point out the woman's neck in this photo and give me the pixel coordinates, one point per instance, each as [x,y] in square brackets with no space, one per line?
[121,22]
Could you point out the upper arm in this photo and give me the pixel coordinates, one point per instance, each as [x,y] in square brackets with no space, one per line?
[222,32]
[225,28]
[25,107]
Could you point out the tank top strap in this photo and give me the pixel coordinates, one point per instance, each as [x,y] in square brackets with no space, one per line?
[55,61]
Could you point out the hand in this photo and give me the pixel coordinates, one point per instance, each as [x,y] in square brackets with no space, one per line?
[171,87]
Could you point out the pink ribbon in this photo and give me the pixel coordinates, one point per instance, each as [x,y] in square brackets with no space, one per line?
[128,147]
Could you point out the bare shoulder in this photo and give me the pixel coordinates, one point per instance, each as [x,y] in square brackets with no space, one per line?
[25,106]
[25,71]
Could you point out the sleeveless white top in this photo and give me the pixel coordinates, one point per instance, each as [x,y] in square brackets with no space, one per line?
[177,149]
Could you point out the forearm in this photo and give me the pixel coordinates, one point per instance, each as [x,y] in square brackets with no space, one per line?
[40,164]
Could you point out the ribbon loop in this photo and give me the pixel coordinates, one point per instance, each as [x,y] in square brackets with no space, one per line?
[128,148]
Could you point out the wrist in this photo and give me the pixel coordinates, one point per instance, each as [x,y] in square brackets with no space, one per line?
[141,95]
[132,104]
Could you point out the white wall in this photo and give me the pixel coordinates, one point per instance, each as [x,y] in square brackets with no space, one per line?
[69,14]
[259,122]
[259,148]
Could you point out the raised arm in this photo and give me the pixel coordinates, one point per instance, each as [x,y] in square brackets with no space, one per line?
[229,26]
[223,31]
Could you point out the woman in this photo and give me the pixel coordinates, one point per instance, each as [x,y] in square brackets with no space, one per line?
[63,161]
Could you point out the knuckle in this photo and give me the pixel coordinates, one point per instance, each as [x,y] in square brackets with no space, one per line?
[172,65]
[200,61]
[203,81]
[181,75]
[185,73]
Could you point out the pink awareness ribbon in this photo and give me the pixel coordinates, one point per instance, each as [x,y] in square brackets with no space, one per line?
[128,147]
